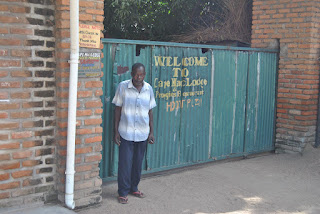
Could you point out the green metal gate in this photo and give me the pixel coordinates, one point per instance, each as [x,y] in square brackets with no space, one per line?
[212,102]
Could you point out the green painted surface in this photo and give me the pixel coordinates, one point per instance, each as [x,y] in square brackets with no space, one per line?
[261,102]
[212,102]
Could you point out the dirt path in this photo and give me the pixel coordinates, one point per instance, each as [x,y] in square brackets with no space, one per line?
[285,183]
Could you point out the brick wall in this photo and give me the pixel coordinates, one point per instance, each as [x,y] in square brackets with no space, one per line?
[27,102]
[294,24]
[89,108]
[34,76]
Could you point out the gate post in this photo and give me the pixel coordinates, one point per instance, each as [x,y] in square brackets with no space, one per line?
[295,24]
[87,186]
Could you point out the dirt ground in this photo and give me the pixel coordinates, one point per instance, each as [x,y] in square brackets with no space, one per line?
[273,183]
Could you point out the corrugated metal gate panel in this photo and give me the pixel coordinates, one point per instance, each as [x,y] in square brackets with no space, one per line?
[231,114]
[261,102]
[178,118]
[230,77]
[166,153]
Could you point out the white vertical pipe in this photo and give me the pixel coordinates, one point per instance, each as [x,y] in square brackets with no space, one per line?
[72,105]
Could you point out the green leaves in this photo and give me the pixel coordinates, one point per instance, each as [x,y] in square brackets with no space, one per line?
[147,20]
[159,20]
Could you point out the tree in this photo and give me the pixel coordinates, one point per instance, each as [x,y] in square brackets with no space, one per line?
[178,20]
[151,20]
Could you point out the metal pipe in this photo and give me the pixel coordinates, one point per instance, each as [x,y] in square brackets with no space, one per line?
[72,104]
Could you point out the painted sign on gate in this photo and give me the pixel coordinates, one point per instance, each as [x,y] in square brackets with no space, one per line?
[180,83]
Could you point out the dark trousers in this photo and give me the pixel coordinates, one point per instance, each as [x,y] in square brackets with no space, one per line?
[130,165]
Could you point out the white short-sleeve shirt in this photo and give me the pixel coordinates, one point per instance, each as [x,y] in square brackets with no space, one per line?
[134,120]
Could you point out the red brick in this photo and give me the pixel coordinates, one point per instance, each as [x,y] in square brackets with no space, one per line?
[17,115]
[4,176]
[63,94]
[310,91]
[20,135]
[93,104]
[42,152]
[31,124]
[9,125]
[277,16]
[3,73]
[63,84]
[62,114]
[99,5]
[84,131]
[82,94]
[93,121]
[301,9]
[62,152]
[282,111]
[63,74]
[304,97]
[4,137]
[4,95]
[22,155]
[21,31]
[93,139]
[10,63]
[83,168]
[99,111]
[32,104]
[99,93]
[10,85]
[311,81]
[4,157]
[20,174]
[62,133]
[21,53]
[11,185]
[29,163]
[63,124]
[296,91]
[63,45]
[4,195]
[85,17]
[63,24]
[98,130]
[87,112]
[93,11]
[11,42]
[4,8]
[63,15]
[62,2]
[28,144]
[304,86]
[309,118]
[62,105]
[9,165]
[15,145]
[3,30]
[308,113]
[21,95]
[98,148]
[84,150]
[94,84]
[18,9]
[21,74]
[86,4]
